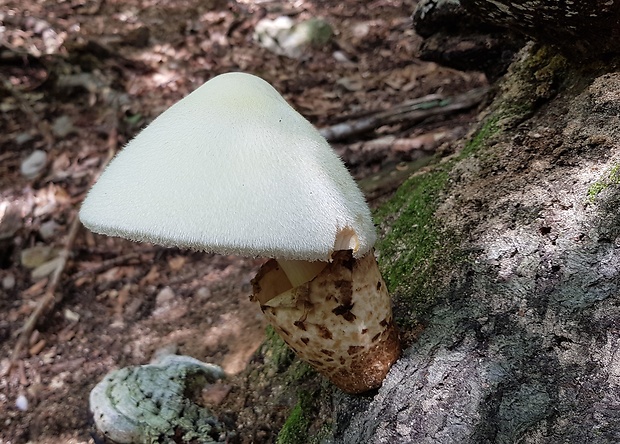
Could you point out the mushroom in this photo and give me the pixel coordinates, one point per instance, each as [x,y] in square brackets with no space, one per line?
[233,169]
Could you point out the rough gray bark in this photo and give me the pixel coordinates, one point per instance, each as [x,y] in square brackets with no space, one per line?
[581,28]
[458,39]
[522,342]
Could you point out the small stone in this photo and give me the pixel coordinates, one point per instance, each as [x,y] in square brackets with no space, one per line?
[36,256]
[48,230]
[32,165]
[282,36]
[164,297]
[71,315]
[341,57]
[8,282]
[21,403]
[22,138]
[63,126]
[203,294]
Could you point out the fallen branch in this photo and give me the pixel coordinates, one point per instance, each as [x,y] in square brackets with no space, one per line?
[410,112]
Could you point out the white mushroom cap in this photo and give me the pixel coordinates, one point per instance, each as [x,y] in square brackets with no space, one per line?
[232,169]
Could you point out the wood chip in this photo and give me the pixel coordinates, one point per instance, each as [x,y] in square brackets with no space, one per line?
[177,262]
[36,348]
[35,289]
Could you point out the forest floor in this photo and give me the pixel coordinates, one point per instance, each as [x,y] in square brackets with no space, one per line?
[79,79]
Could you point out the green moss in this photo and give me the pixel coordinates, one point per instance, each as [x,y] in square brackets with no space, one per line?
[414,246]
[283,359]
[547,65]
[490,127]
[532,81]
[300,371]
[611,178]
[277,352]
[295,429]
[415,249]
[412,235]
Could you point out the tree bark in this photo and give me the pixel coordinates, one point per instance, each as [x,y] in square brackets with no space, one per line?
[504,266]
[580,28]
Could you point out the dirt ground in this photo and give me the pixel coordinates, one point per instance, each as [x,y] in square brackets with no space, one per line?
[80,78]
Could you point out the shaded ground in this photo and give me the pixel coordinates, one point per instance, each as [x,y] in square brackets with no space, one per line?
[79,79]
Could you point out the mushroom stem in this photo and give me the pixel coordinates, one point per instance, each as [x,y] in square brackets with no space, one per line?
[300,272]
[340,322]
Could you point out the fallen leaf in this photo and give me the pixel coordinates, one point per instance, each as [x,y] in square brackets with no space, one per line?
[177,262]
[46,269]
[35,256]
[151,277]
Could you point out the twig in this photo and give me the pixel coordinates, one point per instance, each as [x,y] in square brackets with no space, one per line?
[411,111]
[113,262]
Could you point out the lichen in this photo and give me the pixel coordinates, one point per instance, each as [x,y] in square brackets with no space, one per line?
[153,403]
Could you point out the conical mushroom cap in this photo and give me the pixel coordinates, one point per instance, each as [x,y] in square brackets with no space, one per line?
[232,169]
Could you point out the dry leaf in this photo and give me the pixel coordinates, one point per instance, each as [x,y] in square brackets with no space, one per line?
[151,277]
[177,262]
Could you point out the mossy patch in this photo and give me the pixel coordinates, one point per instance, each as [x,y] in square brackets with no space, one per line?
[295,429]
[278,354]
[610,179]
[490,127]
[283,359]
[411,233]
[298,427]
[531,82]
[416,250]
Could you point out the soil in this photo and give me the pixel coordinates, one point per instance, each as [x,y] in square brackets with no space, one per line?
[80,78]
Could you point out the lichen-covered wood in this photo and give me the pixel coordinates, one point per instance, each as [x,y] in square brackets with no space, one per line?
[155,403]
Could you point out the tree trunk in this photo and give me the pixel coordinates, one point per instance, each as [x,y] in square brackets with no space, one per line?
[581,28]
[504,266]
